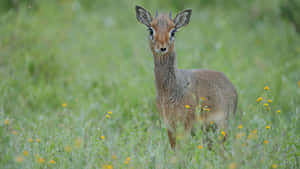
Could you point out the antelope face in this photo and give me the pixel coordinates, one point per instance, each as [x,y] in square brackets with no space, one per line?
[162,28]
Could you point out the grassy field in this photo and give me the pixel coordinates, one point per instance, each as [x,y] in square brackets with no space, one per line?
[77,89]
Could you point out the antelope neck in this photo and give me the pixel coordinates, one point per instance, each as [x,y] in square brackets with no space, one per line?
[165,73]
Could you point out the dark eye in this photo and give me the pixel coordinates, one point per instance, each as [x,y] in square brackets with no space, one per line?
[151,31]
[172,33]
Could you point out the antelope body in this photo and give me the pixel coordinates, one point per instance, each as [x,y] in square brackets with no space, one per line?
[180,91]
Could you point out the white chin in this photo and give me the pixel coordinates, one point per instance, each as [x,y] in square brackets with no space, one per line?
[160,52]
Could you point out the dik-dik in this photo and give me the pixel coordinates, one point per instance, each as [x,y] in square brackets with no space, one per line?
[180,92]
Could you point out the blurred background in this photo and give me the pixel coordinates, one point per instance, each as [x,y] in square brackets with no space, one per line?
[94,57]
[65,44]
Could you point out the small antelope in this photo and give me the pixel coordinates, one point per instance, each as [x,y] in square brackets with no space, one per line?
[181,92]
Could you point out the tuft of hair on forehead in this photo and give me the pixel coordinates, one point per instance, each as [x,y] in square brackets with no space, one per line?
[163,16]
[162,20]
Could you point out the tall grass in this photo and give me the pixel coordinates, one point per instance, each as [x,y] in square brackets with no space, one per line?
[64,67]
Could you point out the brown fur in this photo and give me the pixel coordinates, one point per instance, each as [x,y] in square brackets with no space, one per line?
[208,90]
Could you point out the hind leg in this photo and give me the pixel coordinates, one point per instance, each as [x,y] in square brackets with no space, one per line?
[188,124]
[172,139]
[207,130]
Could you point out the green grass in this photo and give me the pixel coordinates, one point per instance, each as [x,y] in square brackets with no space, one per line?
[98,61]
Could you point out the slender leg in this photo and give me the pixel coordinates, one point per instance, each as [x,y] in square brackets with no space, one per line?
[193,132]
[206,137]
[172,139]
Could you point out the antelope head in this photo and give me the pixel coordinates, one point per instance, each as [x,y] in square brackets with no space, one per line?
[162,28]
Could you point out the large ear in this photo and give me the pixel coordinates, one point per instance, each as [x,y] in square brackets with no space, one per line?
[143,16]
[182,18]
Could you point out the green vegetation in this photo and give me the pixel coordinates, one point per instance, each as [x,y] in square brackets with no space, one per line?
[65,65]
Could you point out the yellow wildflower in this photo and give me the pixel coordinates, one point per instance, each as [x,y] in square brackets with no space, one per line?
[38,140]
[64,105]
[6,122]
[274,166]
[127,160]
[30,140]
[106,166]
[109,112]
[206,109]
[200,147]
[266,142]
[254,131]
[223,133]
[202,98]
[187,106]
[278,111]
[78,142]
[239,135]
[68,148]
[240,126]
[114,157]
[14,132]
[19,159]
[102,137]
[211,122]
[107,116]
[232,165]
[259,99]
[252,136]
[299,83]
[26,153]
[266,88]
[52,162]
[268,127]
[266,104]
[270,100]
[40,160]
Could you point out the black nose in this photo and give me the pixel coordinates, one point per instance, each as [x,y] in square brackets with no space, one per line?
[163,49]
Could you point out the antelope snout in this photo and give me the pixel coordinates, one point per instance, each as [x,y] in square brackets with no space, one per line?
[161,49]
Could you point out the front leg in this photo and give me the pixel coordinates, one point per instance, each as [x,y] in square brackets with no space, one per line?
[172,139]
